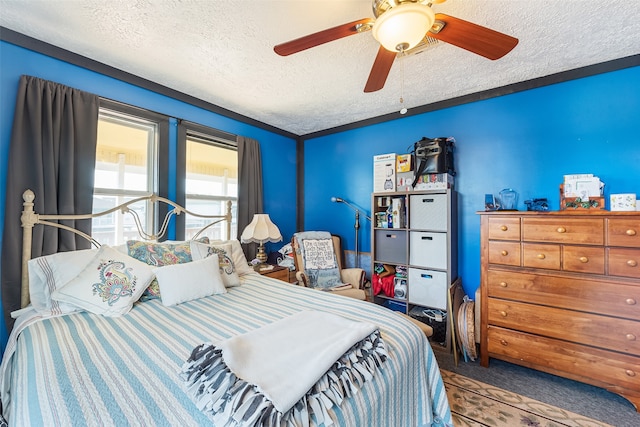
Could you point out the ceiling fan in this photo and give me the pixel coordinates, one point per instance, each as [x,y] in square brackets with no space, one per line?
[402,26]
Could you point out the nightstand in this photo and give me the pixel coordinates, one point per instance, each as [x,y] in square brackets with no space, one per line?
[277,272]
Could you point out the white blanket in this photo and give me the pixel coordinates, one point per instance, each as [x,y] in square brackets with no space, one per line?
[286,358]
[283,362]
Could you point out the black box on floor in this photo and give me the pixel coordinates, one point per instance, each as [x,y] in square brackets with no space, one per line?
[435,318]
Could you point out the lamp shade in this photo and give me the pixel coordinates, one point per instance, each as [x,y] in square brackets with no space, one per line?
[261,230]
[404,26]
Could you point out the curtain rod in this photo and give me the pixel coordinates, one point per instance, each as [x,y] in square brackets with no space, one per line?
[198,127]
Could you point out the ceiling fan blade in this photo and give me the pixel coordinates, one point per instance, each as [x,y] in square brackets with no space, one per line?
[380,70]
[472,37]
[324,36]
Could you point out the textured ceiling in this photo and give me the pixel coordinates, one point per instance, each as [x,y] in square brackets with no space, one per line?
[222,51]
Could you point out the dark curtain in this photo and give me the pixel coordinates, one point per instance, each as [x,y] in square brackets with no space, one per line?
[53,153]
[249,187]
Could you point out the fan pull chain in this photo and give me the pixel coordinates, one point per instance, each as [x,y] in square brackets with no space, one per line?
[403,110]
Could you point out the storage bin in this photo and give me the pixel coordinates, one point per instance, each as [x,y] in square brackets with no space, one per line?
[428,249]
[395,305]
[391,246]
[428,212]
[428,288]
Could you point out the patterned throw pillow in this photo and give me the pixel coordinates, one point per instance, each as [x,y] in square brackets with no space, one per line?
[108,285]
[319,259]
[228,270]
[237,256]
[159,255]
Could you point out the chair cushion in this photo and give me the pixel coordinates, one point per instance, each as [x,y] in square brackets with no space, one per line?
[351,293]
[319,259]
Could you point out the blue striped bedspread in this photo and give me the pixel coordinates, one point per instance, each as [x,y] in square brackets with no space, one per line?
[85,369]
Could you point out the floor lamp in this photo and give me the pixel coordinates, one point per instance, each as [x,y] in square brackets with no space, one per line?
[356,225]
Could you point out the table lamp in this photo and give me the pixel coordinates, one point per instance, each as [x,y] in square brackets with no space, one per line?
[261,230]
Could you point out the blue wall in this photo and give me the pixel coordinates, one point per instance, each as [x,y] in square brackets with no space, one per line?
[526,141]
[278,152]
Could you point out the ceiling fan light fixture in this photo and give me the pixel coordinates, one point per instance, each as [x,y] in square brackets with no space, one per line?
[403,27]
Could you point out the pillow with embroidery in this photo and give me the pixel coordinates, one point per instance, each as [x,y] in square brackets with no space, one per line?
[240,263]
[158,255]
[108,285]
[319,260]
[228,271]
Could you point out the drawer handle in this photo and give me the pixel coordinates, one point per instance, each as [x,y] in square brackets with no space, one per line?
[561,230]
[504,228]
[541,256]
[427,238]
[630,373]
[630,232]
[504,253]
[630,301]
[584,259]
[391,236]
[427,200]
[503,284]
[503,313]
[505,343]
[632,263]
[631,337]
[426,276]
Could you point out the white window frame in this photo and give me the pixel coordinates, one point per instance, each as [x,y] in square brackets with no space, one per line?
[212,137]
[134,120]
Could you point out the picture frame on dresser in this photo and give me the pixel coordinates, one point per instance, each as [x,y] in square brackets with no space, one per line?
[560,293]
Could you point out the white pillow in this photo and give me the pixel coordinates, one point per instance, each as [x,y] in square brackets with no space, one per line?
[237,255]
[223,252]
[185,282]
[108,285]
[51,272]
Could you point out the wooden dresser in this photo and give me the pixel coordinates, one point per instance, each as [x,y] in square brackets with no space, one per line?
[560,293]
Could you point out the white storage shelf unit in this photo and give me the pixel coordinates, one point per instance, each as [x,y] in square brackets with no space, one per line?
[424,252]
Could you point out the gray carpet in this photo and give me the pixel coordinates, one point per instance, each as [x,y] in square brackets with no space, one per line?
[593,402]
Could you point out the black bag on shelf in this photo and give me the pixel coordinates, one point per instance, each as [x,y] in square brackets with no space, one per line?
[433,155]
[435,318]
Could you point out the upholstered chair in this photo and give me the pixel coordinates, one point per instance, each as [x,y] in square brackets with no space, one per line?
[349,276]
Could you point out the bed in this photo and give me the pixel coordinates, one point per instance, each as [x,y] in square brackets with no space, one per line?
[82,368]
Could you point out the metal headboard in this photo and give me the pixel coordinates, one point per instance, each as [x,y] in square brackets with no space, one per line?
[30,218]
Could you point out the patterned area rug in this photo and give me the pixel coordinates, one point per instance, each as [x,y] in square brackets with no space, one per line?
[478,404]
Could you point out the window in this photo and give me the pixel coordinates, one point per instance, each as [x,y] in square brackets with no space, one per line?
[132,158]
[211,180]
[127,164]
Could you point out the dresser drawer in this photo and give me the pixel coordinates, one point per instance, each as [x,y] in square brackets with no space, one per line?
[595,296]
[428,249]
[428,212]
[624,262]
[556,356]
[504,228]
[536,255]
[623,232]
[587,231]
[583,259]
[591,329]
[506,253]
